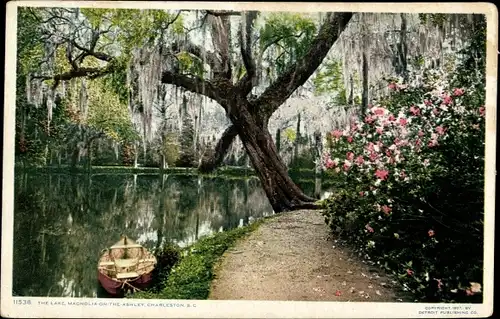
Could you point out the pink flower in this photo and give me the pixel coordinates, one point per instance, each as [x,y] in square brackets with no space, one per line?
[338,293]
[410,272]
[391,118]
[369,228]
[360,160]
[440,130]
[458,92]
[386,209]
[388,153]
[418,142]
[439,282]
[415,110]
[330,163]
[381,174]
[435,111]
[482,110]
[378,111]
[350,156]
[361,193]
[432,143]
[427,102]
[403,121]
[347,165]
[447,100]
[370,146]
[349,139]
[380,130]
[337,134]
[469,292]
[373,156]
[420,133]
[430,232]
[369,119]
[392,86]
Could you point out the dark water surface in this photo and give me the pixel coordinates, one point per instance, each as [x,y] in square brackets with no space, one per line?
[62,222]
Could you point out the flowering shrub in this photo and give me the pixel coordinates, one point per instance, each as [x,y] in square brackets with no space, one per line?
[412,176]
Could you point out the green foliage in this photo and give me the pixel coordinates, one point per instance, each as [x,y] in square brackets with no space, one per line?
[437,19]
[108,114]
[411,193]
[149,25]
[187,155]
[290,135]
[117,80]
[290,34]
[190,278]
[189,64]
[329,78]
[29,45]
[170,148]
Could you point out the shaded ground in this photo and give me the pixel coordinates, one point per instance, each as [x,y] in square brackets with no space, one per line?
[293,257]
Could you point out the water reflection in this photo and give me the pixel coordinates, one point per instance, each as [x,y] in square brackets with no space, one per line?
[62,222]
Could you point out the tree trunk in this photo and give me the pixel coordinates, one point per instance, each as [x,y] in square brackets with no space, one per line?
[296,142]
[136,154]
[365,97]
[282,192]
[318,145]
[403,49]
[74,157]
[164,164]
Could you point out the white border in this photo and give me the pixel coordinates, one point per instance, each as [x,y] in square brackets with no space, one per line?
[130,308]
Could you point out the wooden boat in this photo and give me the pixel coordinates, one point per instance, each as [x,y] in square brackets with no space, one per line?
[125,266]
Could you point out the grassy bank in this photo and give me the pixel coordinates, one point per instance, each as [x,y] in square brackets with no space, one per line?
[236,171]
[96,170]
[191,275]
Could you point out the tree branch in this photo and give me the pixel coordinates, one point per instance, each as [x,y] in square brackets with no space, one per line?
[208,164]
[92,73]
[247,82]
[197,51]
[88,52]
[221,31]
[222,13]
[278,39]
[193,84]
[297,74]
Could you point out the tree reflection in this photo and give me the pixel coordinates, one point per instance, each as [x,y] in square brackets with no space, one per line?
[62,222]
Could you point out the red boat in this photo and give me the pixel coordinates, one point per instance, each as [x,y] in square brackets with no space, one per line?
[125,266]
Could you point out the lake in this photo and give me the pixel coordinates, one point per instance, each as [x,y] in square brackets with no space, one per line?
[62,221]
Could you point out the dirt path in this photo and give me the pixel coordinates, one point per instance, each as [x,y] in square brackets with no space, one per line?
[293,257]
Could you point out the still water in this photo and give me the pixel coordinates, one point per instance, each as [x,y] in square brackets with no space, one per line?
[62,222]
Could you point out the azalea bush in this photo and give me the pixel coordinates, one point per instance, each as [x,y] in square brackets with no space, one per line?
[412,176]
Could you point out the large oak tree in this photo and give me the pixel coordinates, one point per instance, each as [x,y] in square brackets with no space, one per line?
[231,87]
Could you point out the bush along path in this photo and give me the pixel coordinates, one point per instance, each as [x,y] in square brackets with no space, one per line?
[293,257]
[412,176]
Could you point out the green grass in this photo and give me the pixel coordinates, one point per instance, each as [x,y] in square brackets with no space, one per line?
[230,171]
[191,277]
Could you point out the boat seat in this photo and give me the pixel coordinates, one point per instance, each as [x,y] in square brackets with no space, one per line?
[147,260]
[125,263]
[126,246]
[106,263]
[126,275]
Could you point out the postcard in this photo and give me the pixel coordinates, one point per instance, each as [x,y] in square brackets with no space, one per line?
[249,160]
